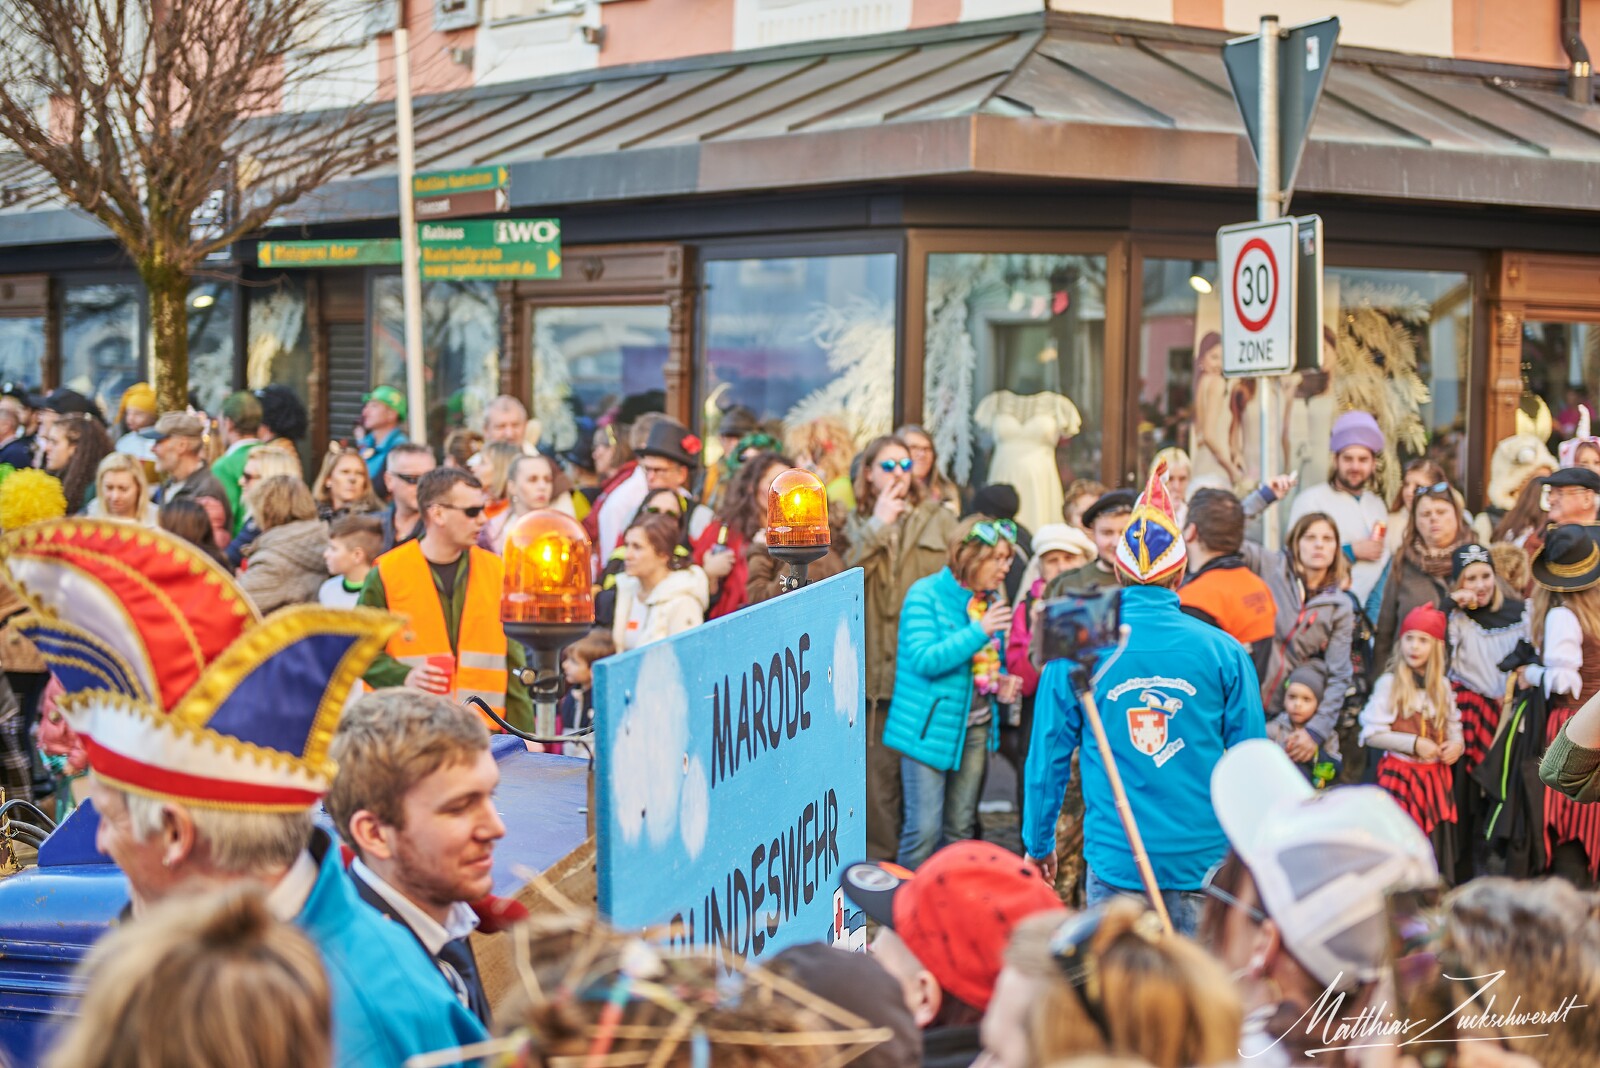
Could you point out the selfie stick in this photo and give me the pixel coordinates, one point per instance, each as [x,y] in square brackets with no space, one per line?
[1124,809]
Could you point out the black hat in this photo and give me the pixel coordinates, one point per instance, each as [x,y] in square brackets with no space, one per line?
[1117,500]
[581,454]
[1569,560]
[18,391]
[1581,477]
[71,402]
[1467,555]
[737,422]
[672,441]
[998,501]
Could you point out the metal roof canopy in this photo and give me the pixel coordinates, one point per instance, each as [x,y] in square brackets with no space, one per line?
[1038,98]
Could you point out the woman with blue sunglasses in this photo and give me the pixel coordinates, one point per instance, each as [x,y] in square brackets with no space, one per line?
[896,536]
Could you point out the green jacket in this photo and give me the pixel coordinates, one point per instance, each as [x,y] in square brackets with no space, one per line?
[228,470]
[387,671]
[1571,769]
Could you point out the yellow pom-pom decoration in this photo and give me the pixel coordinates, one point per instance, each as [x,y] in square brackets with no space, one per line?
[30,497]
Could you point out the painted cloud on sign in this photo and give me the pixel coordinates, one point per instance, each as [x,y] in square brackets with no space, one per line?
[694,810]
[846,675]
[649,752]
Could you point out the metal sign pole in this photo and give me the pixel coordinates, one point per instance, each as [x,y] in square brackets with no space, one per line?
[1269,206]
[410,256]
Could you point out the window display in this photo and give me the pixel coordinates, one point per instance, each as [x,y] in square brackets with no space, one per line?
[460,347]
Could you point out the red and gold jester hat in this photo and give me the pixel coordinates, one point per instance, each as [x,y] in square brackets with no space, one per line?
[1151,546]
[176,684]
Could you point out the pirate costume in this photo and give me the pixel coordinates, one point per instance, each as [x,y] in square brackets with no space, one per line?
[1424,787]
[179,690]
[1568,564]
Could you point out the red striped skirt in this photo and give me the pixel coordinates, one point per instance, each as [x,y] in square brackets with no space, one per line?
[1426,791]
[1480,716]
[1564,819]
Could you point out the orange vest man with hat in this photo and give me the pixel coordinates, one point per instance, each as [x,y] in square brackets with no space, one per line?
[448,591]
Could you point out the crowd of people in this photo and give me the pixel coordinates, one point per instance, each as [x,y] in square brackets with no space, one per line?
[1293,760]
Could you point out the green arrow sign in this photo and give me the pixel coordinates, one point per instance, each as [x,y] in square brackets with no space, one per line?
[491,249]
[471,180]
[381,252]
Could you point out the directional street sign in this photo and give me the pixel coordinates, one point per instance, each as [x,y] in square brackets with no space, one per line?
[382,252]
[491,249]
[471,180]
[1304,55]
[1257,267]
[456,205]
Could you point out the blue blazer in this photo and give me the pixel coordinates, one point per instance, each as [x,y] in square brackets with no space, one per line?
[933,675]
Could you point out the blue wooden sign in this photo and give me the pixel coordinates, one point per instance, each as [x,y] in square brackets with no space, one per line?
[731,776]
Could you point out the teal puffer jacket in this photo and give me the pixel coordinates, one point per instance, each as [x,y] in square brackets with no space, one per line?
[933,677]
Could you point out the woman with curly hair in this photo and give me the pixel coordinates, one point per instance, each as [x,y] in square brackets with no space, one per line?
[824,447]
[73,449]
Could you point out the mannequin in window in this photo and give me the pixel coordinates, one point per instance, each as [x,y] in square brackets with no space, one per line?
[1215,464]
[1026,426]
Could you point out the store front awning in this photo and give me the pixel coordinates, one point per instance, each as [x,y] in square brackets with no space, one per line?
[1034,99]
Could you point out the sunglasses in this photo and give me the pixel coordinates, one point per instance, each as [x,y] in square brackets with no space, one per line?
[410,480]
[1080,964]
[891,466]
[471,511]
[991,533]
[1438,489]
[1210,888]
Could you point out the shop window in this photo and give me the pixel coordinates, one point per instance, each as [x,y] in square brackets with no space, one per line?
[278,349]
[22,350]
[587,359]
[1396,343]
[1014,372]
[460,348]
[211,342]
[793,339]
[102,340]
[1560,371]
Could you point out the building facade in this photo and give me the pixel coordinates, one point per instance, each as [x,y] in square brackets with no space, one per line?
[953,212]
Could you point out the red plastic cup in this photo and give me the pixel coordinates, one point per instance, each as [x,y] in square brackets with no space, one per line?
[445,664]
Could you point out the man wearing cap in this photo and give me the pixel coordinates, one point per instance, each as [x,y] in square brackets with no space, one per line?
[1574,496]
[669,457]
[1104,519]
[179,439]
[229,797]
[1299,910]
[382,413]
[943,934]
[448,590]
[1172,697]
[240,427]
[1349,499]
[414,798]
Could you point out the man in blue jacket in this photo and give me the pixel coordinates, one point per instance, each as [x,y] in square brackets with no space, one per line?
[1173,699]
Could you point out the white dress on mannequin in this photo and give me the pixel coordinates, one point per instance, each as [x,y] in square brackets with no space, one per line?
[1026,429]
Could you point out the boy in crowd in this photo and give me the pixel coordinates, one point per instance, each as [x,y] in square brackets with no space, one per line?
[1301,699]
[354,542]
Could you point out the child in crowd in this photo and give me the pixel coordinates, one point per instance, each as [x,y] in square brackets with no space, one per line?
[1302,697]
[577,664]
[1412,716]
[354,542]
[1485,627]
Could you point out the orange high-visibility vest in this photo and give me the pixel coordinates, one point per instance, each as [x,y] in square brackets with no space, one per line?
[481,639]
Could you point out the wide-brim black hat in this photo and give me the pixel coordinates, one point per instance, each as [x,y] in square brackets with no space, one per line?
[672,441]
[1570,558]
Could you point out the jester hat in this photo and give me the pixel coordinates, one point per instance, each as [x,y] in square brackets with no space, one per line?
[177,686]
[1151,546]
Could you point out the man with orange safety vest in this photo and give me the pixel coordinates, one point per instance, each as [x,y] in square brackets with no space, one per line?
[448,589]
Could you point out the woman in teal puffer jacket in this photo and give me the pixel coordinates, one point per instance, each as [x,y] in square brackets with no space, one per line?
[949,677]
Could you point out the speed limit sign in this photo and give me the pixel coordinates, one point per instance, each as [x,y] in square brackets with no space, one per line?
[1257,265]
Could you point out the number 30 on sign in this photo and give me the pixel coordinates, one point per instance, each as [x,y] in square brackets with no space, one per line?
[1257,266]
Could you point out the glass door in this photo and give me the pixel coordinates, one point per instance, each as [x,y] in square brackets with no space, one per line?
[1560,373]
[588,359]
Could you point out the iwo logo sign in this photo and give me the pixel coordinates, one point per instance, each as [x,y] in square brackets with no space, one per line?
[491,249]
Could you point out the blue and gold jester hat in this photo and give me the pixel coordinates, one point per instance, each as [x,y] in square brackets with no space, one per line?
[1151,546]
[177,685]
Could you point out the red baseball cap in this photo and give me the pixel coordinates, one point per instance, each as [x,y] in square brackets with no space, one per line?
[956,912]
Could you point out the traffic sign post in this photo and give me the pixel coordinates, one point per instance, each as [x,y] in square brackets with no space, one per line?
[491,249]
[1258,271]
